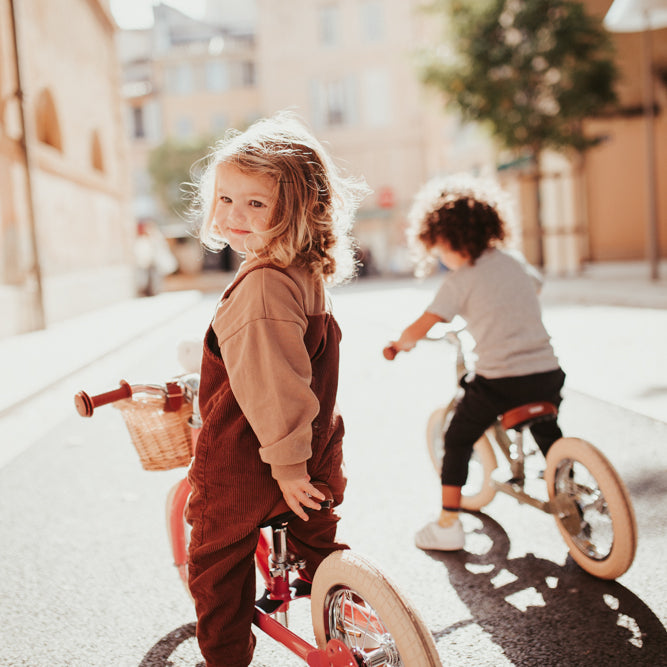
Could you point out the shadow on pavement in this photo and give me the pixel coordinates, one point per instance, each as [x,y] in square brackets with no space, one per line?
[177,647]
[539,612]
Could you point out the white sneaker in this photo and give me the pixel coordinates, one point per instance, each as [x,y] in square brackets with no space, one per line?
[434,536]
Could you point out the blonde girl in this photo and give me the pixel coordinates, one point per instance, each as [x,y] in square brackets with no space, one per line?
[269,371]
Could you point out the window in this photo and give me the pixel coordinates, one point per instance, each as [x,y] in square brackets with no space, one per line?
[247,73]
[329,25]
[334,102]
[376,100]
[179,79]
[141,182]
[217,76]
[372,21]
[48,126]
[184,128]
[219,123]
[138,129]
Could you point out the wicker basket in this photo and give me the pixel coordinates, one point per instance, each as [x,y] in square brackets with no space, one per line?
[162,439]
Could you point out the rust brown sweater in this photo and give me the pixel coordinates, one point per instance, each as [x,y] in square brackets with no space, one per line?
[260,330]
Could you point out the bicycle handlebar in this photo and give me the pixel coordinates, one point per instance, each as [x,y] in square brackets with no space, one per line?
[173,392]
[85,404]
[450,335]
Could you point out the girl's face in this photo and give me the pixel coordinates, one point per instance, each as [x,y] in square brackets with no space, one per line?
[243,206]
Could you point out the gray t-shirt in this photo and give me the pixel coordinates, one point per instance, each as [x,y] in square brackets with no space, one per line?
[497,296]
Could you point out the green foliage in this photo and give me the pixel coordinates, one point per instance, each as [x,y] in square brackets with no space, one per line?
[171,166]
[530,69]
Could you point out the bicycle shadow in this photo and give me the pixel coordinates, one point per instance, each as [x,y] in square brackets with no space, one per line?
[543,613]
[177,647]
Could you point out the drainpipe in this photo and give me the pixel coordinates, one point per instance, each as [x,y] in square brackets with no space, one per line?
[39,319]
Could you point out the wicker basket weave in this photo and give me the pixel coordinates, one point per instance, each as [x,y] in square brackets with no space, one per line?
[162,439]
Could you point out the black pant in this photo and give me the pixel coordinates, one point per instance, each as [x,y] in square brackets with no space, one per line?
[483,401]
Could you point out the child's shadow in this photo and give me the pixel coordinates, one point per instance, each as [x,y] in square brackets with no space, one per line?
[542,613]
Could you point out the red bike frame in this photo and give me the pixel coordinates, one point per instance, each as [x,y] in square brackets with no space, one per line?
[336,653]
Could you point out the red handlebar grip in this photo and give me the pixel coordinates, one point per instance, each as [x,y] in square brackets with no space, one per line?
[389,352]
[85,404]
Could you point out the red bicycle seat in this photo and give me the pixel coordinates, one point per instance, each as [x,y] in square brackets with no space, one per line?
[528,414]
[281,513]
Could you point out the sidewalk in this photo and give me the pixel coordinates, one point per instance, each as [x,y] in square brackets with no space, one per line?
[35,361]
[610,284]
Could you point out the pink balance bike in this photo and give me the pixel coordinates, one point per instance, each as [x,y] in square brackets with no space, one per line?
[584,493]
[359,617]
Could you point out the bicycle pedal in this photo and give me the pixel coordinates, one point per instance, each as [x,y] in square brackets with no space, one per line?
[301,588]
[266,604]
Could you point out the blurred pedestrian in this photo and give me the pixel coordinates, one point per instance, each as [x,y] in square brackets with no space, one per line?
[153,258]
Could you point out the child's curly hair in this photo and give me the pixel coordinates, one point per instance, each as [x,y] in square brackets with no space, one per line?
[470,214]
[315,203]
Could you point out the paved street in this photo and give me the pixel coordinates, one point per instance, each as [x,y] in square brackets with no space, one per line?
[87,576]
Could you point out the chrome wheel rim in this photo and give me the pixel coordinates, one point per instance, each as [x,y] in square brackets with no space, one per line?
[352,620]
[593,532]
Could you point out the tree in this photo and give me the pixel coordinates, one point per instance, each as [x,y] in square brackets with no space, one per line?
[170,166]
[531,70]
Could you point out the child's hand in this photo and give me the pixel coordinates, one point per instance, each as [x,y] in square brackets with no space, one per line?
[396,346]
[411,335]
[298,492]
[390,351]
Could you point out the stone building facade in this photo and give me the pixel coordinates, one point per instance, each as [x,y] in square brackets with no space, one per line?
[66,233]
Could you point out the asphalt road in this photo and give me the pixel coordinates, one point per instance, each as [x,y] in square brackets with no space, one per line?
[87,578]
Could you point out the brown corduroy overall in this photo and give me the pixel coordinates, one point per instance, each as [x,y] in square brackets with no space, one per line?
[233,491]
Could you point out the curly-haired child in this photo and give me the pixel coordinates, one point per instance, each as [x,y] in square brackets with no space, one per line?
[269,371]
[462,222]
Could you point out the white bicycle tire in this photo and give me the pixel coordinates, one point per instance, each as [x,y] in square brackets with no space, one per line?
[343,573]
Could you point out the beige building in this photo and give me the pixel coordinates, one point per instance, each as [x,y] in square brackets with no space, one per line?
[348,68]
[595,207]
[617,171]
[66,233]
[185,80]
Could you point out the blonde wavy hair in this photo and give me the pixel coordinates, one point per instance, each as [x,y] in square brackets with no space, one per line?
[311,221]
[471,214]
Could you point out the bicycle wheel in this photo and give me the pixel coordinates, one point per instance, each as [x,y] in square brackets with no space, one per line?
[592,508]
[354,602]
[478,490]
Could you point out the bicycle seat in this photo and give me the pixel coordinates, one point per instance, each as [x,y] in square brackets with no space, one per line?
[282,514]
[526,415]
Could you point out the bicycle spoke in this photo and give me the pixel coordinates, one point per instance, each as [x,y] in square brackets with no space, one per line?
[595,533]
[355,623]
